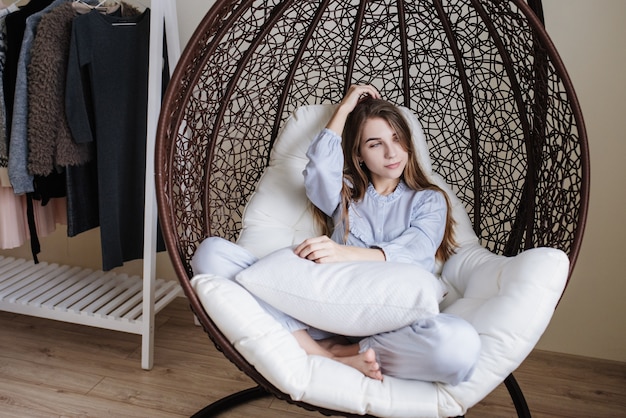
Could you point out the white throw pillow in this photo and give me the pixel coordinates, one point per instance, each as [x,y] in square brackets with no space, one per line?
[348,298]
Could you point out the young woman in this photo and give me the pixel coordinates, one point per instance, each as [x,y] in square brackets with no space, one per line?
[364,175]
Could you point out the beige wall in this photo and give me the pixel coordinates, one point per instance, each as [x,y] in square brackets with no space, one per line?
[590,36]
[591,318]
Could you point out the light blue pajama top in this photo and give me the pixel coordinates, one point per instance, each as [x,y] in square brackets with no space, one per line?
[407,225]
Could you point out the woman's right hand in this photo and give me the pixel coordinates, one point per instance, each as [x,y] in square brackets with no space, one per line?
[324,250]
[355,94]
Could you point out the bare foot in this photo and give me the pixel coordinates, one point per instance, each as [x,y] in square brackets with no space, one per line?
[364,362]
[349,355]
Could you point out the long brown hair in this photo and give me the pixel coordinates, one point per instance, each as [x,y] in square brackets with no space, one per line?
[358,176]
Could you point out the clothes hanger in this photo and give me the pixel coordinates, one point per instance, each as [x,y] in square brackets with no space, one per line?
[141,3]
[103,2]
[17,4]
[13,7]
[120,2]
[82,6]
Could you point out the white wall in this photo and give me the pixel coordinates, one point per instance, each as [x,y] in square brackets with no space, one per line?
[190,13]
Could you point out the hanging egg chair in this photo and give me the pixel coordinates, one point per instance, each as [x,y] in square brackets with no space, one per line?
[503,128]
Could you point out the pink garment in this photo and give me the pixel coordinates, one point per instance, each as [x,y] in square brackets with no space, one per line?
[14,223]
[13,226]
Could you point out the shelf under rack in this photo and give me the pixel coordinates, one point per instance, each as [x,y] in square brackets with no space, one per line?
[77,295]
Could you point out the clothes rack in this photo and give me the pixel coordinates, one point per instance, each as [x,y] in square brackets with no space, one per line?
[105,299]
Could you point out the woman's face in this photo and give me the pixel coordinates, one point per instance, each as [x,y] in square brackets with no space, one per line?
[383,153]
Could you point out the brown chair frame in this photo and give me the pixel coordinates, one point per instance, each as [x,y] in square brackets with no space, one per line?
[499,111]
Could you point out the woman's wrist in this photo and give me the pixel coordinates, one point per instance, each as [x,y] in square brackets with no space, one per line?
[338,120]
[365,254]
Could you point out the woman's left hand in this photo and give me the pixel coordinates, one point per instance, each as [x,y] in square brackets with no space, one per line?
[324,250]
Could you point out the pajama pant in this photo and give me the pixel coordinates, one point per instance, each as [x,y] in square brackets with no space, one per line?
[443,348]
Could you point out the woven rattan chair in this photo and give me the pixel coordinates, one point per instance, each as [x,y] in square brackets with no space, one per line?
[498,110]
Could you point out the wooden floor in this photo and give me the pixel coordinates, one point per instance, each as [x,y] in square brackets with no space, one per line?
[54,369]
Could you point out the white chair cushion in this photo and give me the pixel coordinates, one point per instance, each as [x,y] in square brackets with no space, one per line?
[518,298]
[508,300]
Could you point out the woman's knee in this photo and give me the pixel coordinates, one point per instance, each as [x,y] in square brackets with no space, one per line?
[218,256]
[460,350]
[204,255]
[444,348]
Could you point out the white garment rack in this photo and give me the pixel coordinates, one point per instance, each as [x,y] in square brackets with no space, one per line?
[105,299]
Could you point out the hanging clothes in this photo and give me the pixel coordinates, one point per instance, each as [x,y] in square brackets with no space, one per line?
[21,178]
[50,142]
[48,137]
[106,103]
[4,141]
[12,208]
[4,144]
[15,28]
[14,226]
